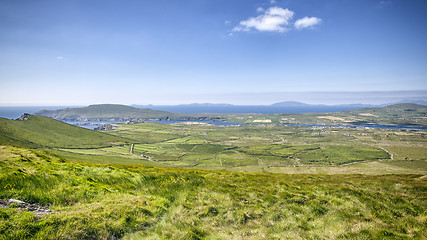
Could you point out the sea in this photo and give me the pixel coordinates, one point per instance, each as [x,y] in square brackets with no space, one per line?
[16,112]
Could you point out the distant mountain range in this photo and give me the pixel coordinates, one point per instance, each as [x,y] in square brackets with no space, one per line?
[280,107]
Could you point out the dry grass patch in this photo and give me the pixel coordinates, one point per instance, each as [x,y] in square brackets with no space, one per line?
[367,115]
[262,121]
[332,118]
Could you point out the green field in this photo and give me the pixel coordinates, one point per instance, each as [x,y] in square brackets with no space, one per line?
[261,148]
[187,181]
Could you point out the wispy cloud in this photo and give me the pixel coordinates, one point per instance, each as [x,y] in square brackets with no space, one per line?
[306,22]
[383,4]
[274,19]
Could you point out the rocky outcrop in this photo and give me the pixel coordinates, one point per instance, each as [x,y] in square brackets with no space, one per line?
[106,127]
[133,121]
[24,117]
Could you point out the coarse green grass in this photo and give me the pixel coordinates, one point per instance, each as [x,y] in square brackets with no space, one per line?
[136,202]
[81,156]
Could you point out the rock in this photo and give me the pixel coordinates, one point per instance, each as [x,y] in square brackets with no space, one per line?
[105,127]
[133,121]
[24,117]
[16,201]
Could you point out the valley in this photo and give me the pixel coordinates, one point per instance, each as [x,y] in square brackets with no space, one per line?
[195,180]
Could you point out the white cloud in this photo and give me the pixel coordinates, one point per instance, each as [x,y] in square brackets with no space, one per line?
[60,57]
[274,19]
[272,1]
[306,22]
[260,9]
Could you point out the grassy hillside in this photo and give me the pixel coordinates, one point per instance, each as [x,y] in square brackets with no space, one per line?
[104,111]
[134,202]
[40,131]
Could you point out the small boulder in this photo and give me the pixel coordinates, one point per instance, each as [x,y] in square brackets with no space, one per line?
[16,201]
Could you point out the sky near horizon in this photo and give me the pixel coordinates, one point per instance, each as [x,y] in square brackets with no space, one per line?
[81,52]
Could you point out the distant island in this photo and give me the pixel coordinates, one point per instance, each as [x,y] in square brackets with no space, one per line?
[115,112]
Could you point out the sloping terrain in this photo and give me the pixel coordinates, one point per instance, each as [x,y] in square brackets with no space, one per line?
[43,195]
[37,132]
[135,202]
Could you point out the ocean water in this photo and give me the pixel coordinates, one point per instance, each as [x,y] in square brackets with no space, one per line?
[16,112]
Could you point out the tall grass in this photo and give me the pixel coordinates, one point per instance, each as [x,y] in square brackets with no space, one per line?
[133,202]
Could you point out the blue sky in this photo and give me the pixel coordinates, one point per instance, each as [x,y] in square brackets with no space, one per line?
[235,51]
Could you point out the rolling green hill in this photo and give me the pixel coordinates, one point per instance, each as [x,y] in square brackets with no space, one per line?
[397,114]
[400,114]
[37,131]
[104,111]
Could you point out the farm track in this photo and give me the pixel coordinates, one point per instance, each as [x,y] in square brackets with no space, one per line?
[389,153]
